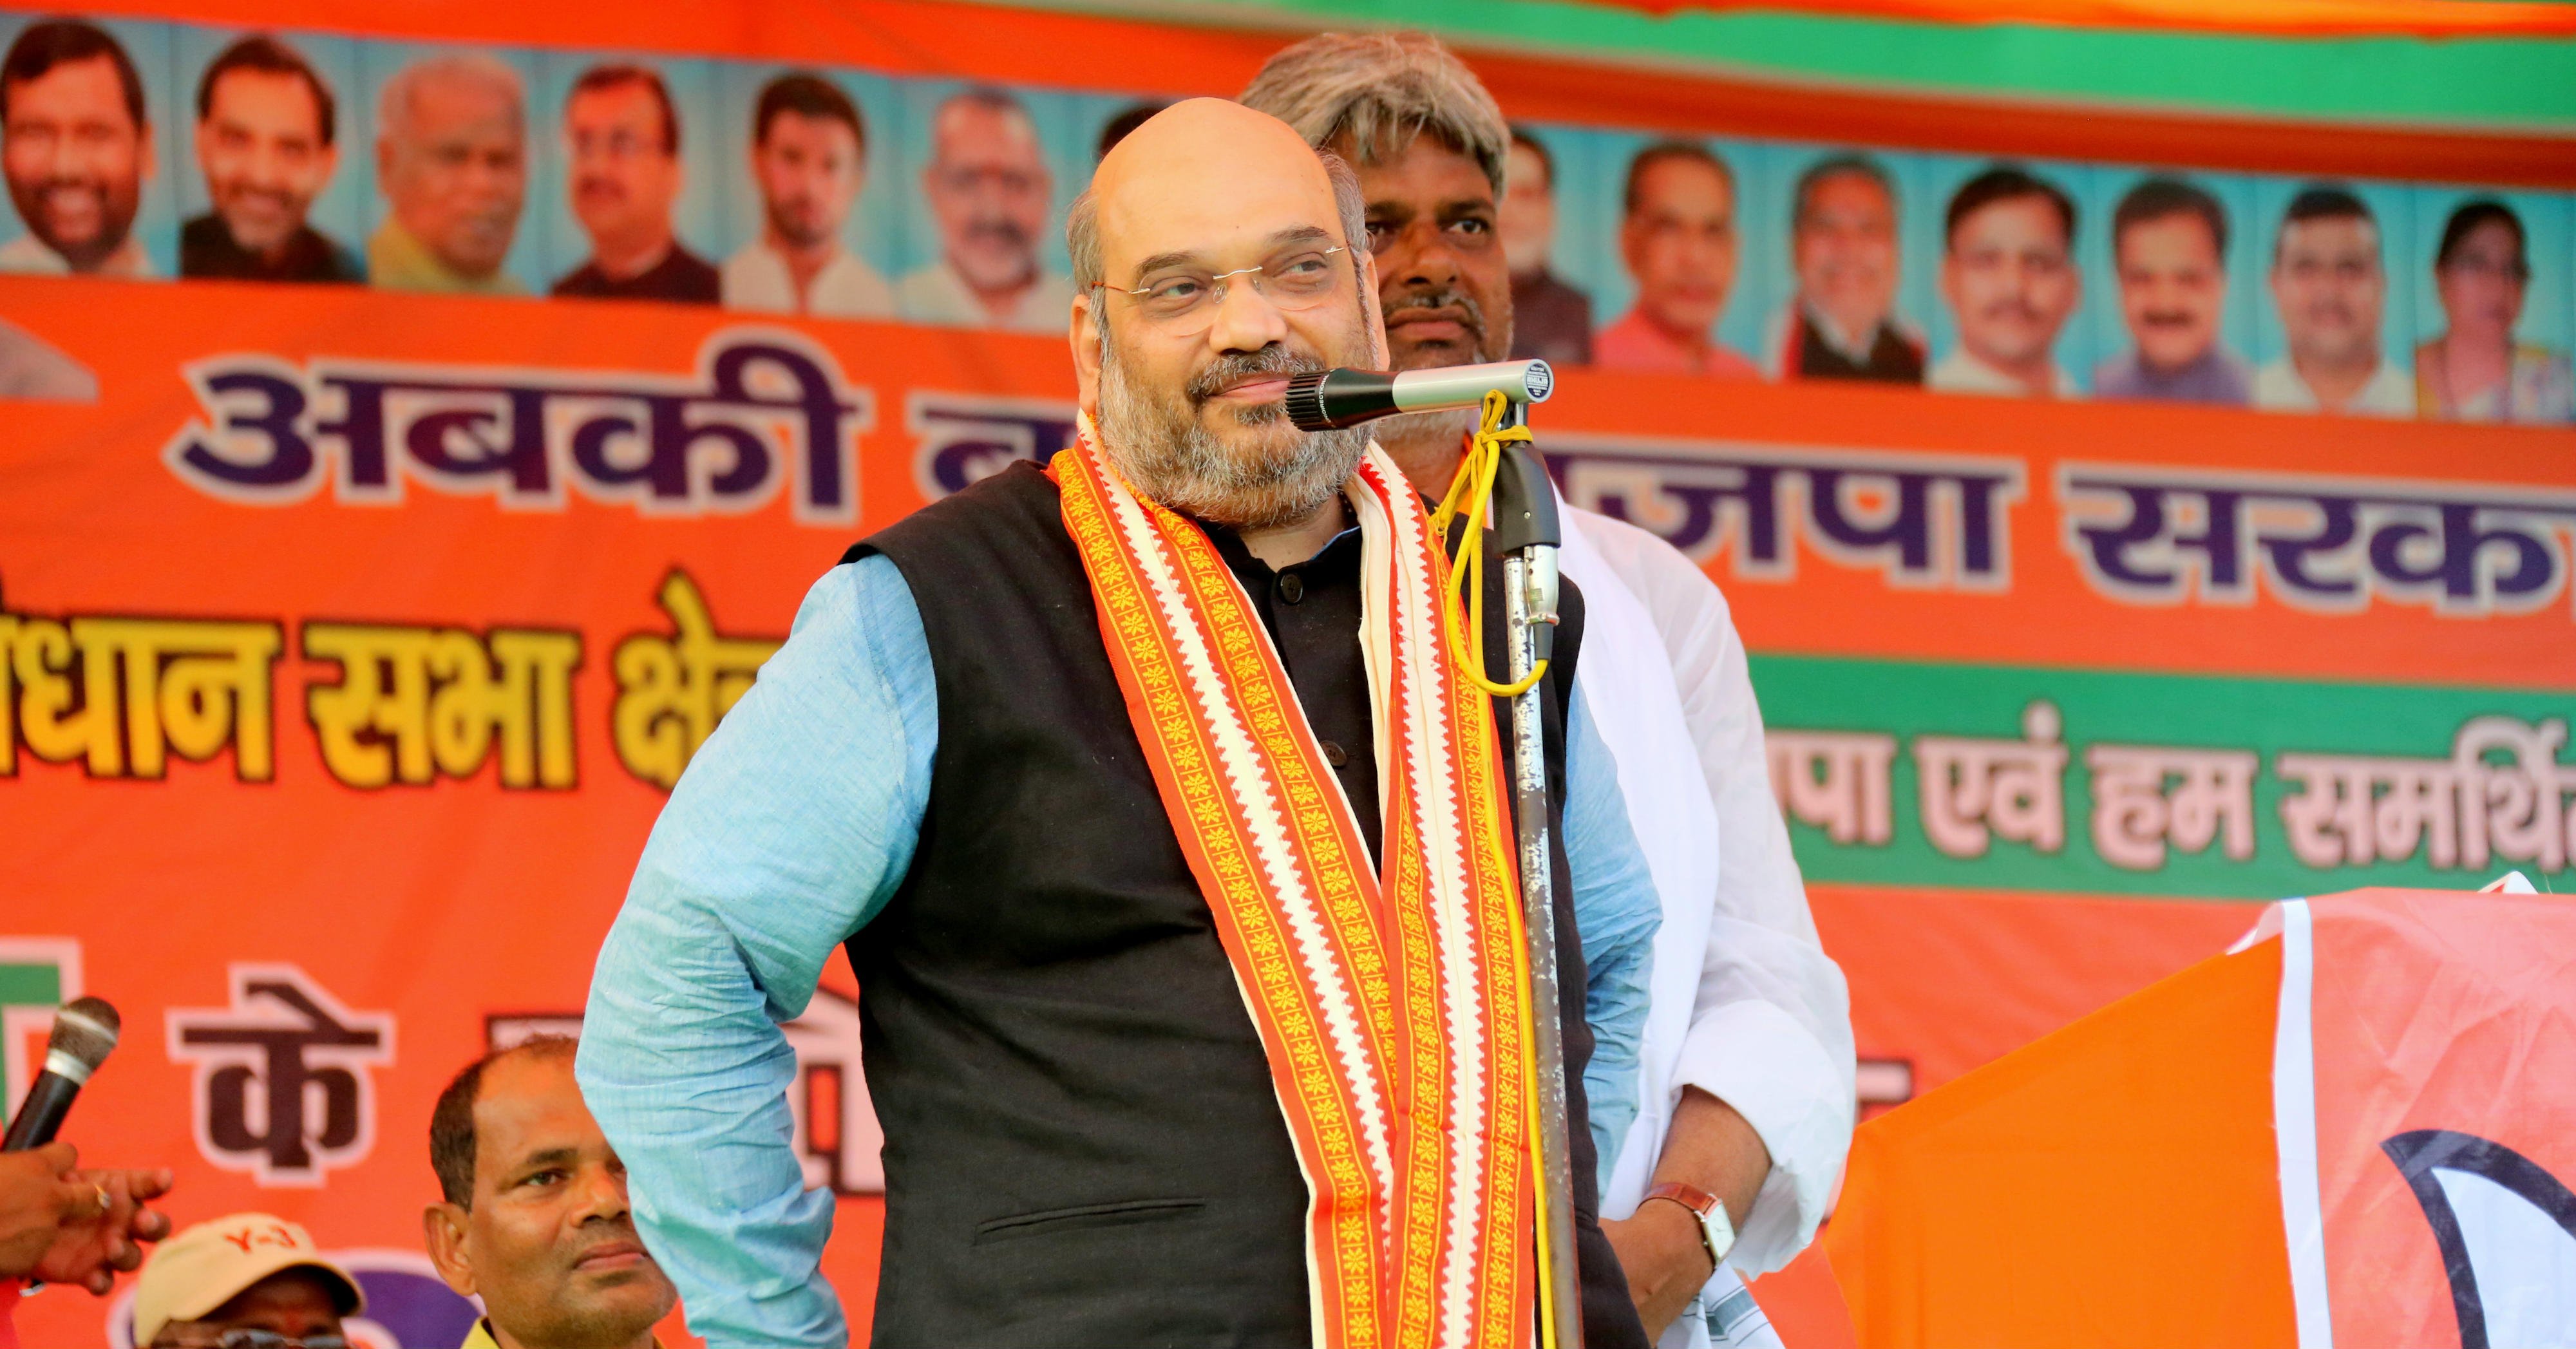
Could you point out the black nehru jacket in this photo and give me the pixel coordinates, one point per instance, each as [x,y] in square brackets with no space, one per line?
[1082,1144]
[1550,320]
[681,277]
[1891,360]
[207,250]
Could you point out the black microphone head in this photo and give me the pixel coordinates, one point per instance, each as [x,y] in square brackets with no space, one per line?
[1305,401]
[1329,400]
[85,1029]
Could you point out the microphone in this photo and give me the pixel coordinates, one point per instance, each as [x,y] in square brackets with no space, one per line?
[84,1034]
[1332,399]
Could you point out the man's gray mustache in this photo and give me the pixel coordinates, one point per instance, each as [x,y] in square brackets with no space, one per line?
[283,201]
[1225,370]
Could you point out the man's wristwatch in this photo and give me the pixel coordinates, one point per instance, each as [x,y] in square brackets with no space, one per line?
[1716,1232]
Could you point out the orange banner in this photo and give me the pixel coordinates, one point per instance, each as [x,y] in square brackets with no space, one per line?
[431,680]
[350,639]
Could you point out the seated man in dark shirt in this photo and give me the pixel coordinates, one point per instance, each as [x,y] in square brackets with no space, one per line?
[622,137]
[266,140]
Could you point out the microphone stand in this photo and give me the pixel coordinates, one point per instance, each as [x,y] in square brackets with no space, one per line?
[1527,533]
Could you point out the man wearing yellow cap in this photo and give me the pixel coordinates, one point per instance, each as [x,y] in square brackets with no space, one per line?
[249,1281]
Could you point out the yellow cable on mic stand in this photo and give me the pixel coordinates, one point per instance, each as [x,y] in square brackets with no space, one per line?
[1472,492]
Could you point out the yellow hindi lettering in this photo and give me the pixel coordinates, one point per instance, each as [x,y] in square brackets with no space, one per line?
[414,704]
[121,694]
[373,726]
[191,686]
[671,691]
[536,681]
[66,704]
[8,694]
[466,705]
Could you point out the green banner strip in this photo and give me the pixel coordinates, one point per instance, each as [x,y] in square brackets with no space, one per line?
[2468,84]
[2449,772]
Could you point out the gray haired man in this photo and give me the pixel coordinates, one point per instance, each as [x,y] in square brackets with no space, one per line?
[1736,1111]
[452,159]
[988,189]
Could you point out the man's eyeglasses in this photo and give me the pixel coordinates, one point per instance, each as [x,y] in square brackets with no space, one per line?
[239,1337]
[1181,296]
[1006,182]
[619,144]
[2346,270]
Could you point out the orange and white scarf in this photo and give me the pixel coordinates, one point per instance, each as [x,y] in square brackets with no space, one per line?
[1392,1002]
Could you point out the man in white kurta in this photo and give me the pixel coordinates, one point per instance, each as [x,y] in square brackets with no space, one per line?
[1744,1004]
[939,293]
[988,189]
[1744,1087]
[761,277]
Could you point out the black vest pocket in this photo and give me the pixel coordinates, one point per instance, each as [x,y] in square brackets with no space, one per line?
[1086,1217]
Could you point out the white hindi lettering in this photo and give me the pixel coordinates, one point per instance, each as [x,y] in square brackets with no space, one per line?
[1977,790]
[2147,797]
[1834,780]
[2501,795]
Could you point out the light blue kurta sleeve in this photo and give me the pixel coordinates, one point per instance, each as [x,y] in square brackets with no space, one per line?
[1616,913]
[792,827]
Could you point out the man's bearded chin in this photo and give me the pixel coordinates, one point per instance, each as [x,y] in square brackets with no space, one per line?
[114,211]
[1265,474]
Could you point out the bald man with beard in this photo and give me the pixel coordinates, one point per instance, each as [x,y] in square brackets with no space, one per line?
[1192,1021]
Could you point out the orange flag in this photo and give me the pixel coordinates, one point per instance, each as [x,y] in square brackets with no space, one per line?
[2357,1129]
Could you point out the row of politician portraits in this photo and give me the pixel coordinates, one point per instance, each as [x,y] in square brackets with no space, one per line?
[148,149]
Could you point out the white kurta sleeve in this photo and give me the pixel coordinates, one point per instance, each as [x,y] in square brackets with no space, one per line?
[1770,1031]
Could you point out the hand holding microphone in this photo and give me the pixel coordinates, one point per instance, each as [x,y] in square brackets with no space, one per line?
[59,1224]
